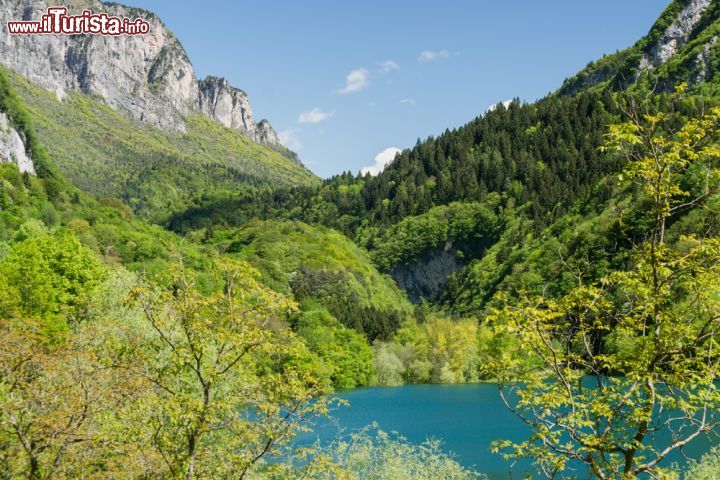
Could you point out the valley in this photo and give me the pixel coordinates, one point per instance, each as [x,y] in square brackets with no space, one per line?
[181,297]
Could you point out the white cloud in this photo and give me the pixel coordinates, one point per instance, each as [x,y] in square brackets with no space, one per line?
[314,116]
[382,159]
[408,101]
[355,81]
[289,137]
[430,56]
[506,104]
[389,66]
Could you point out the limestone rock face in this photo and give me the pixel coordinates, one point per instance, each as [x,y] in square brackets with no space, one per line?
[229,106]
[12,147]
[147,77]
[267,134]
[702,64]
[427,276]
[689,39]
[676,35]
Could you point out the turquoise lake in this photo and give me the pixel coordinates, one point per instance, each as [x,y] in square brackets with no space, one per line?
[467,418]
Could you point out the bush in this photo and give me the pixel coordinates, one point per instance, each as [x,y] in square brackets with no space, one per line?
[708,468]
[50,274]
[344,351]
[372,454]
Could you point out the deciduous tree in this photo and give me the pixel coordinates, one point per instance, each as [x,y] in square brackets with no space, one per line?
[647,337]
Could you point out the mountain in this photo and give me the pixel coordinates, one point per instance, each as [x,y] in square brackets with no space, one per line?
[126,118]
[148,77]
[131,351]
[343,300]
[562,209]
[154,172]
[680,47]
[453,220]
[424,218]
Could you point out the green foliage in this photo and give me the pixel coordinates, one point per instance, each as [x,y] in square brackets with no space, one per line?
[388,364]
[154,173]
[179,384]
[317,263]
[708,468]
[587,243]
[344,352]
[441,350]
[494,153]
[222,382]
[52,396]
[413,236]
[106,227]
[544,154]
[48,275]
[646,334]
[376,455]
[592,239]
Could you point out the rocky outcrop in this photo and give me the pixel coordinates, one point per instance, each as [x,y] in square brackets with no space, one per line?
[427,276]
[702,62]
[229,106]
[148,77]
[680,37]
[676,35]
[267,134]
[12,147]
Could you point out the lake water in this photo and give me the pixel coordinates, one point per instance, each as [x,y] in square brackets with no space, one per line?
[467,418]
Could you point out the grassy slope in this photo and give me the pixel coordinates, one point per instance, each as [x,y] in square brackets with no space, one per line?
[109,155]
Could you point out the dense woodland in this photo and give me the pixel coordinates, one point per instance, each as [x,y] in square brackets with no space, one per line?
[182,306]
[543,154]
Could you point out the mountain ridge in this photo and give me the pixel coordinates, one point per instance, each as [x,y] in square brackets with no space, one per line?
[149,77]
[541,159]
[681,47]
[110,155]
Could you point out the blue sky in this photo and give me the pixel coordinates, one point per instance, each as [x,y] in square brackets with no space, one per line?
[344,81]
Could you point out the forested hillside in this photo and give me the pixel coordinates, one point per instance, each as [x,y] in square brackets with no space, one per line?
[182,305]
[543,153]
[124,344]
[543,160]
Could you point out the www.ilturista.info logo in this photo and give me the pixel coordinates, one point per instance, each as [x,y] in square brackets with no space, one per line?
[57,22]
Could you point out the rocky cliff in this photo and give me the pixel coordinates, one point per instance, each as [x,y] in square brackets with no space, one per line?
[680,47]
[426,277]
[12,147]
[148,77]
[674,36]
[229,106]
